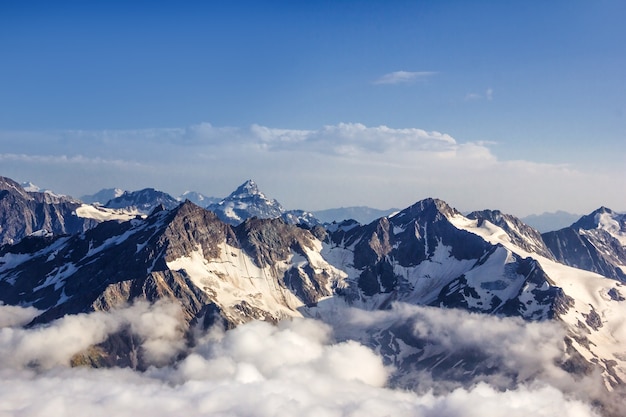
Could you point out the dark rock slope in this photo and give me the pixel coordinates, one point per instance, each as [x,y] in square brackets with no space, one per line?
[23,213]
[593,243]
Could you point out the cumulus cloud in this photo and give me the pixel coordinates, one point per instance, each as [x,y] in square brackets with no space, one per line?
[298,367]
[404,77]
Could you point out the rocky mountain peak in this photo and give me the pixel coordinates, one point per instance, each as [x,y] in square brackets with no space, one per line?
[427,210]
[592,221]
[24,213]
[596,242]
[248,201]
[247,189]
[30,187]
[7,184]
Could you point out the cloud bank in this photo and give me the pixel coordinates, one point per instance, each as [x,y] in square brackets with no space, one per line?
[299,367]
[345,164]
[157,326]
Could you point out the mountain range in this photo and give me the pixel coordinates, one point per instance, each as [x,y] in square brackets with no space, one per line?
[245,261]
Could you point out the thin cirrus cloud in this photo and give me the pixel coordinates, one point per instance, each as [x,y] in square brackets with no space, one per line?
[404,77]
[487,95]
[65,159]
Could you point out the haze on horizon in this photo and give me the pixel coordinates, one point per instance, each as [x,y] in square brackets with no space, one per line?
[519,107]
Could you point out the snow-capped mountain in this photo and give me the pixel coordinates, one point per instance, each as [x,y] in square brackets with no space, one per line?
[248,201]
[596,242]
[198,198]
[520,234]
[45,195]
[30,187]
[592,307]
[23,213]
[103,196]
[421,257]
[142,201]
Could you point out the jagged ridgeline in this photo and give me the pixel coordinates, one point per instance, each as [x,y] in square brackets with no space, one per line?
[228,273]
[23,213]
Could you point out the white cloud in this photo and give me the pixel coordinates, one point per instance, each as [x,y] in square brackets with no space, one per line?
[521,351]
[157,326]
[351,138]
[336,165]
[11,316]
[472,96]
[294,368]
[404,77]
[487,95]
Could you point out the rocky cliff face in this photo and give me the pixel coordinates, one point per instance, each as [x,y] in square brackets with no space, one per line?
[421,257]
[186,253]
[23,213]
[596,242]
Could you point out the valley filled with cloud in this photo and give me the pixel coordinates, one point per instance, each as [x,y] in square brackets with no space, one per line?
[298,367]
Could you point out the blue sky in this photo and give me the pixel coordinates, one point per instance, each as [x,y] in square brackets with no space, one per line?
[322,103]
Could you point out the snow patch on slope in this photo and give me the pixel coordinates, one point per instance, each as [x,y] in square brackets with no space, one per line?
[431,275]
[102,214]
[233,277]
[610,222]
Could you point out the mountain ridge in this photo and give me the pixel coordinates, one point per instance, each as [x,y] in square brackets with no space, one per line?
[426,255]
[23,213]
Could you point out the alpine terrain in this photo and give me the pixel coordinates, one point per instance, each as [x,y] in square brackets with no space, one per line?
[248,201]
[402,285]
[24,213]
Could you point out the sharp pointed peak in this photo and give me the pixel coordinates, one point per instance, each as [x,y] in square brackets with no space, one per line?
[247,188]
[592,220]
[11,185]
[432,203]
[426,208]
[603,210]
